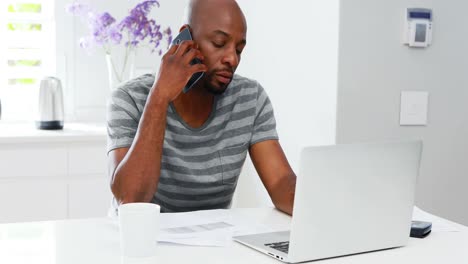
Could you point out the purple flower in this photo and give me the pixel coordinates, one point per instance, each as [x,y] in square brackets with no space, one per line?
[115,36]
[168,34]
[136,27]
[140,27]
[105,19]
[103,29]
[78,8]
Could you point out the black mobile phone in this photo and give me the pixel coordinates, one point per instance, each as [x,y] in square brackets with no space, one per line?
[185,35]
[420,229]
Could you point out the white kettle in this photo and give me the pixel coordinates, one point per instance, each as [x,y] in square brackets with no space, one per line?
[50,108]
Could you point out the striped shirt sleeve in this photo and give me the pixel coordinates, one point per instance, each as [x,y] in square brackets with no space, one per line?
[122,120]
[265,124]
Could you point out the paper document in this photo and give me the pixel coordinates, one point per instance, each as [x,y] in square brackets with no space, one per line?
[438,224]
[190,230]
[210,234]
[204,228]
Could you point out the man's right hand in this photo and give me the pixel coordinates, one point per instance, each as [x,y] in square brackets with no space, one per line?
[175,70]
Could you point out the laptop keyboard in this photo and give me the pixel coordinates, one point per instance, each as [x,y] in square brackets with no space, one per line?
[280,246]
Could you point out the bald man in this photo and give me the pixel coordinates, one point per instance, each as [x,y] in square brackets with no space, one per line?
[185,151]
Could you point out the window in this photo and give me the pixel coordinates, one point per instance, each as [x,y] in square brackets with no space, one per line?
[27,54]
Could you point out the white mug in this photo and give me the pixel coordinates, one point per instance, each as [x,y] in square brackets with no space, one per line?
[139,229]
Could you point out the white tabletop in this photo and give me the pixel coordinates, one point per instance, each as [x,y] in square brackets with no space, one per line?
[97,241]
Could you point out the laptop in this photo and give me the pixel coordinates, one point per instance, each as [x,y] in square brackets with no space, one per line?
[350,199]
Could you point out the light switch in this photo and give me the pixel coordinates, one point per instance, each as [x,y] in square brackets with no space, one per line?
[413,108]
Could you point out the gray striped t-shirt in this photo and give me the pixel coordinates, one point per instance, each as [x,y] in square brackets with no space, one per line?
[200,166]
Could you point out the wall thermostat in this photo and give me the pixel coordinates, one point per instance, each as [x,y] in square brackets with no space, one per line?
[418,27]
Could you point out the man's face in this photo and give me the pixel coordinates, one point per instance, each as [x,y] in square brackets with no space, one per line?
[221,36]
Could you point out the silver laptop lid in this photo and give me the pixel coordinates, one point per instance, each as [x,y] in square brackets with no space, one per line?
[353,198]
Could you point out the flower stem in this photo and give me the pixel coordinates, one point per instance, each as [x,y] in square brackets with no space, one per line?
[127,51]
[114,69]
[117,76]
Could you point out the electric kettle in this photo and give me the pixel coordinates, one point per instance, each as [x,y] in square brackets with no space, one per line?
[50,108]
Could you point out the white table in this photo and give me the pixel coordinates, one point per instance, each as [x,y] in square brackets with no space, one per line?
[92,241]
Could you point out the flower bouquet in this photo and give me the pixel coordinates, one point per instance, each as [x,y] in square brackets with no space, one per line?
[133,31]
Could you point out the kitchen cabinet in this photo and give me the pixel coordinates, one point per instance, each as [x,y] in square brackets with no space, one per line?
[50,175]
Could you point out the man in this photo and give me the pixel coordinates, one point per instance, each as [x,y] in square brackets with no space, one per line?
[185,151]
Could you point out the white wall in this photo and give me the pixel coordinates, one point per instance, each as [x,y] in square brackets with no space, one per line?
[292,51]
[374,67]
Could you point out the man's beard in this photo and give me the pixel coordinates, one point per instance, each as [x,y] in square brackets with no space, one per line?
[215,90]
[210,86]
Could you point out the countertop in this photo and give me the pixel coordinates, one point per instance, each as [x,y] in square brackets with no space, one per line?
[97,241]
[12,133]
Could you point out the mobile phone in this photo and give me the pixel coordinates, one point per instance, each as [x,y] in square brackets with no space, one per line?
[420,229]
[185,35]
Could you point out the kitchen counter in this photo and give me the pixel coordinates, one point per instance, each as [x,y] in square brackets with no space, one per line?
[11,133]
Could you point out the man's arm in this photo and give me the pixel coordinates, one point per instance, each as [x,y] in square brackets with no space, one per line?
[275,172]
[135,171]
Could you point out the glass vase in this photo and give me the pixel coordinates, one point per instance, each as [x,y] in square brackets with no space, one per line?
[120,70]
